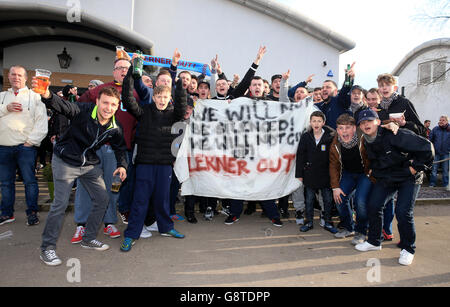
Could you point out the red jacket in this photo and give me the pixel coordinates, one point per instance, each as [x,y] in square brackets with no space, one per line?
[127,121]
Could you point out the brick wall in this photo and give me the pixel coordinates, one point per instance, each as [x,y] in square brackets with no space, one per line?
[79,80]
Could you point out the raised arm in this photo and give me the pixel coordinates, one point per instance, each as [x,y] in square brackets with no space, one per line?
[180,101]
[128,100]
[245,83]
[284,84]
[343,96]
[291,92]
[174,66]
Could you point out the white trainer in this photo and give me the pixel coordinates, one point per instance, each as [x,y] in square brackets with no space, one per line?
[145,233]
[406,258]
[152,227]
[366,246]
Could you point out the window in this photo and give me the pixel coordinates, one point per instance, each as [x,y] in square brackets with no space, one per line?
[432,71]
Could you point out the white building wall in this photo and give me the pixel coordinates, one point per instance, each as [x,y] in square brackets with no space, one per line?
[200,29]
[431,101]
[44,55]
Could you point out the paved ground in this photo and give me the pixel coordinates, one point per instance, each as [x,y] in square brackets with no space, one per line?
[250,253]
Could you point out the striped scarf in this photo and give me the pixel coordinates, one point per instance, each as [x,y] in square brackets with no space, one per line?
[353,142]
[386,102]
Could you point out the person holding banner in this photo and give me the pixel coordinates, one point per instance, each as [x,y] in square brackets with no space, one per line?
[154,157]
[256,91]
[225,92]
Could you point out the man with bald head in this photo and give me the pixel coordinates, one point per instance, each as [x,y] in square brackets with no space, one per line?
[23,125]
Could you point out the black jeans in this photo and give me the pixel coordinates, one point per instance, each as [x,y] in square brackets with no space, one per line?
[310,196]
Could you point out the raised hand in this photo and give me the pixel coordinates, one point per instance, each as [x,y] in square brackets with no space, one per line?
[262,50]
[351,71]
[176,57]
[286,75]
[215,62]
[309,79]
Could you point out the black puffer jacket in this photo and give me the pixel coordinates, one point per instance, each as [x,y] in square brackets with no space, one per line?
[154,136]
[391,155]
[84,136]
[403,105]
[313,160]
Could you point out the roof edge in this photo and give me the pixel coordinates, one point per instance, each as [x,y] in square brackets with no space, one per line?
[86,19]
[300,22]
[428,45]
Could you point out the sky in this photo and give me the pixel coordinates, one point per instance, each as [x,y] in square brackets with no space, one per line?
[384,30]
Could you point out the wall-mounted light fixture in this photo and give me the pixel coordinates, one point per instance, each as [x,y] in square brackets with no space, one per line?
[64,59]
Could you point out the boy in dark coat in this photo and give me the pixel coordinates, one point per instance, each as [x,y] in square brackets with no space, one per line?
[154,157]
[312,168]
[397,163]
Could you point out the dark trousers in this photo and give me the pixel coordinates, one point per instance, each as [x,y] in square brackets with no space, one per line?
[174,189]
[204,202]
[127,188]
[404,212]
[310,196]
[283,203]
[268,206]
[151,180]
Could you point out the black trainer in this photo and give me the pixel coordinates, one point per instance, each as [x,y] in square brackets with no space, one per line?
[32,219]
[284,213]
[231,220]
[6,219]
[277,222]
[191,218]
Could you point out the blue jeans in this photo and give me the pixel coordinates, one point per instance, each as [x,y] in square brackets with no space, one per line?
[310,196]
[23,157]
[433,178]
[127,188]
[388,215]
[404,212]
[83,202]
[361,184]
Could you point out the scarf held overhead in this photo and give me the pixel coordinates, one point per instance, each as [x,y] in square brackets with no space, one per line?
[150,60]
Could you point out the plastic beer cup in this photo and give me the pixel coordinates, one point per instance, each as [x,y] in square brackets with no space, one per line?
[116,183]
[120,52]
[43,79]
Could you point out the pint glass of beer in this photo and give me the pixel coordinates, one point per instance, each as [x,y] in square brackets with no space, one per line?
[116,183]
[43,79]
[120,52]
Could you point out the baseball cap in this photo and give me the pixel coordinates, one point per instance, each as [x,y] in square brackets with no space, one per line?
[203,81]
[367,114]
[357,87]
[276,77]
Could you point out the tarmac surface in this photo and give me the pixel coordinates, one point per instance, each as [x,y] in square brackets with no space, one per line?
[249,253]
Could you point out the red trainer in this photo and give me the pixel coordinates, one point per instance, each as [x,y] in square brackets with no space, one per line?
[111,231]
[387,237]
[78,236]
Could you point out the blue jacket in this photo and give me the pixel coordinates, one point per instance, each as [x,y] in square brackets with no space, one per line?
[440,137]
[336,106]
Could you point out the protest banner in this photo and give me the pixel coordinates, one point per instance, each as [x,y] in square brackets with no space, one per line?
[242,150]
